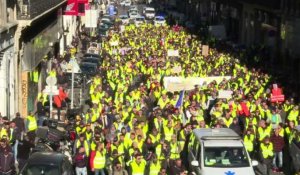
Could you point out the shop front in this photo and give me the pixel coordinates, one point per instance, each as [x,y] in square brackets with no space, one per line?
[38,52]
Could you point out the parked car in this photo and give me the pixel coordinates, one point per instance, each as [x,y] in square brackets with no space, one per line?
[122,3]
[92,55]
[133,7]
[93,60]
[149,12]
[127,3]
[103,29]
[139,20]
[88,68]
[47,163]
[133,14]
[124,19]
[159,21]
[107,21]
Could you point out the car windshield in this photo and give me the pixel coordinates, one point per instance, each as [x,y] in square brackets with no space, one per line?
[159,19]
[225,157]
[41,169]
[139,19]
[150,11]
[123,17]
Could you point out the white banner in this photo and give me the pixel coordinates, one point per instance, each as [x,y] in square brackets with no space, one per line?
[173,53]
[225,94]
[91,18]
[173,84]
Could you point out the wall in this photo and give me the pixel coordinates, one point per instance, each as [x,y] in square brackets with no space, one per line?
[4,68]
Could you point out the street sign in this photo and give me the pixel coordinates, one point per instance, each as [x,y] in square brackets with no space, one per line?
[51,90]
[51,81]
[73,65]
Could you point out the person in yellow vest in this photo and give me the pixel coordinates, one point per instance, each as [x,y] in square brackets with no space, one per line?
[81,142]
[88,133]
[34,76]
[80,128]
[52,73]
[267,154]
[98,160]
[154,166]
[249,142]
[31,126]
[138,165]
[263,130]
[175,148]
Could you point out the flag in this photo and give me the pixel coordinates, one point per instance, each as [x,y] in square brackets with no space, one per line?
[179,102]
[72,8]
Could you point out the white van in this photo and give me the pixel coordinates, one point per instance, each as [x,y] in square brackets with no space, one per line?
[218,152]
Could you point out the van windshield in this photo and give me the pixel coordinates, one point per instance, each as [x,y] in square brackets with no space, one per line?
[225,157]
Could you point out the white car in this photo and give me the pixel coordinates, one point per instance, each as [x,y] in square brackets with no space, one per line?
[149,12]
[159,21]
[124,19]
[211,152]
[127,3]
[139,20]
[133,7]
[133,14]
[122,3]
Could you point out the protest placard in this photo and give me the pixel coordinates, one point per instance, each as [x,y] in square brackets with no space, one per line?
[205,49]
[227,94]
[176,69]
[173,53]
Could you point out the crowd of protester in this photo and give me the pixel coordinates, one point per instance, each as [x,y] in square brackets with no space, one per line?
[134,126]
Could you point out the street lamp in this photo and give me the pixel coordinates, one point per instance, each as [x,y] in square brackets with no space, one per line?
[8,84]
[66,31]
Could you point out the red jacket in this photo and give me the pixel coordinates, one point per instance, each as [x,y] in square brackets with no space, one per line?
[58,99]
[245,110]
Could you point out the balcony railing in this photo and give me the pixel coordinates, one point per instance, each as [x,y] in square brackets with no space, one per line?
[30,9]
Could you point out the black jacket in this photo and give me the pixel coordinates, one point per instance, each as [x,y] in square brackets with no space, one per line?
[24,147]
[7,163]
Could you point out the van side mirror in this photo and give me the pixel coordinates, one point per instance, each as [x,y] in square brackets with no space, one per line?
[254,163]
[195,163]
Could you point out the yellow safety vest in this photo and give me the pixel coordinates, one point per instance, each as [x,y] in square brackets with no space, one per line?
[264,132]
[35,76]
[52,73]
[248,142]
[168,133]
[86,146]
[154,168]
[32,123]
[99,160]
[267,151]
[138,169]
[175,150]
[89,135]
[3,132]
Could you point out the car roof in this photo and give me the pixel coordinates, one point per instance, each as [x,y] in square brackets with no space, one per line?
[149,8]
[215,134]
[49,158]
[223,143]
